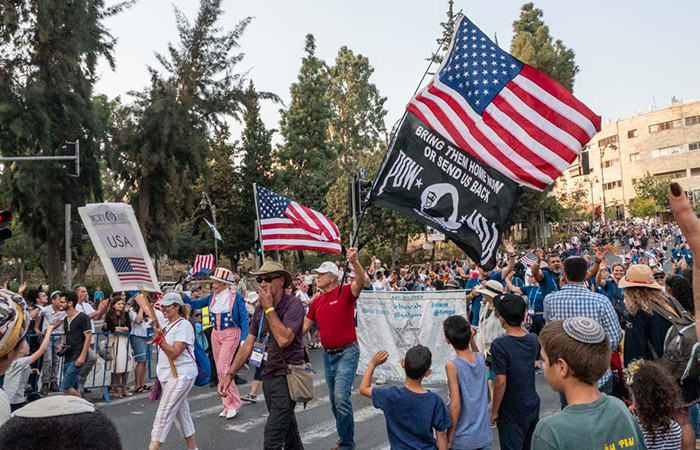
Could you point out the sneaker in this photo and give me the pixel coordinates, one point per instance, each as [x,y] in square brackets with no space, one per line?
[380,381]
[231,414]
[222,413]
[249,398]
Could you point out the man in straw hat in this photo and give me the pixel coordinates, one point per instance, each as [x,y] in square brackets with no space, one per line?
[14,322]
[335,316]
[276,335]
[227,313]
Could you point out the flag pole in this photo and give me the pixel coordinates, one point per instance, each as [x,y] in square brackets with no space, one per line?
[259,225]
[385,158]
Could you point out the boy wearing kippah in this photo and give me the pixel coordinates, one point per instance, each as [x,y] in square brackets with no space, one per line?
[414,415]
[576,353]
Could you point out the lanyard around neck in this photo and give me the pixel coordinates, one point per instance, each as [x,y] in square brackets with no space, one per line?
[262,317]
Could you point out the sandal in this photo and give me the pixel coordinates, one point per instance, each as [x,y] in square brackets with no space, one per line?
[249,398]
[146,387]
[140,390]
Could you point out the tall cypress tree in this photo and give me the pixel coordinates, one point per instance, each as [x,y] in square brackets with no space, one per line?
[307,159]
[533,45]
[48,68]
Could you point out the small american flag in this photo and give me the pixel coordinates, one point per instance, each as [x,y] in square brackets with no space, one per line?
[287,225]
[132,270]
[530,259]
[203,265]
[504,112]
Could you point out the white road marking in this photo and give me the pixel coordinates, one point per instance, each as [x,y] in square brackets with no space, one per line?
[207,411]
[242,428]
[328,428]
[137,412]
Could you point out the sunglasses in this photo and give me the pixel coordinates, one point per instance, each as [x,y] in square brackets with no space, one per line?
[659,276]
[267,280]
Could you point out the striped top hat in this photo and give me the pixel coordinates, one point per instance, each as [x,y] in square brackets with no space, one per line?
[223,275]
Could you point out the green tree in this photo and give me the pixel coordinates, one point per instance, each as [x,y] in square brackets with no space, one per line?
[642,207]
[163,141]
[357,123]
[650,187]
[48,68]
[448,29]
[533,45]
[307,160]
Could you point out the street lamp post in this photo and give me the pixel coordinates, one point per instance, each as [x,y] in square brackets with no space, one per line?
[604,213]
[203,203]
[592,180]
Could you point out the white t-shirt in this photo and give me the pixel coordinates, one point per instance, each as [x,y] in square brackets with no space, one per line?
[16,379]
[185,365]
[86,308]
[139,329]
[5,410]
[51,316]
[222,302]
[303,296]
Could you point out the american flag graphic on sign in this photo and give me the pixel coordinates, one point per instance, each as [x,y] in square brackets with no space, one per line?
[287,225]
[131,270]
[203,265]
[506,113]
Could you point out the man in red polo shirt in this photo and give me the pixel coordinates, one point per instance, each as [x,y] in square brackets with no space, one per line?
[335,316]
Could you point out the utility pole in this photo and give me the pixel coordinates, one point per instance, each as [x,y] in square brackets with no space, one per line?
[69,269]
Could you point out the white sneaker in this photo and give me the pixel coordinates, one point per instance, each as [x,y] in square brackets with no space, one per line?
[222,413]
[380,381]
[231,414]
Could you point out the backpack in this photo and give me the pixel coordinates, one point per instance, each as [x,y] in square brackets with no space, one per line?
[681,355]
[203,367]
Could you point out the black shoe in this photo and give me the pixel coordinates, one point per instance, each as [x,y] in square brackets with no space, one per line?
[44,390]
[87,391]
[54,387]
[239,380]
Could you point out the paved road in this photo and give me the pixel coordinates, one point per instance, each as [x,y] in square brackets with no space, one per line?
[133,417]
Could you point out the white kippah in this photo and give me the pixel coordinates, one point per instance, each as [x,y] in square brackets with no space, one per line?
[54,406]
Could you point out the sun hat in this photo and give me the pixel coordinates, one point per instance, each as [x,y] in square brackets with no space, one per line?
[639,275]
[223,275]
[271,267]
[327,267]
[491,288]
[171,298]
[14,320]
[452,283]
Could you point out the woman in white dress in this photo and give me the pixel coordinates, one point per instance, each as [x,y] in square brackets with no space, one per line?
[118,323]
[175,340]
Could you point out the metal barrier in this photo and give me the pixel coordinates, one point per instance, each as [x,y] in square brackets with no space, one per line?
[101,373]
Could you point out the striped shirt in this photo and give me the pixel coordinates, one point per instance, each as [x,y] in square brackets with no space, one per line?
[668,440]
[575,300]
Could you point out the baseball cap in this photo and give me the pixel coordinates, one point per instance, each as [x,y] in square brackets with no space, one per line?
[171,298]
[327,267]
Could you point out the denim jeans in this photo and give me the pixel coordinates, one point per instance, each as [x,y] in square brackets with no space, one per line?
[281,430]
[52,362]
[516,436]
[340,369]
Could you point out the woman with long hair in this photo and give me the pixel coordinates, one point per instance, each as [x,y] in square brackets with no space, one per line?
[175,340]
[118,323]
[678,287]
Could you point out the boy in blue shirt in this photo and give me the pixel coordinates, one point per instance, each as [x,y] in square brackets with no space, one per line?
[415,417]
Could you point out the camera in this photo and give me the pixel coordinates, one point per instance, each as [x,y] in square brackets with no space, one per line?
[65,349]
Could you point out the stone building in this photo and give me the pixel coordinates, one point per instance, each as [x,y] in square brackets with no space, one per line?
[665,143]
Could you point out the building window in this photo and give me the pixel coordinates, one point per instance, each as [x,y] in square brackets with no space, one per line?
[665,126]
[695,171]
[612,185]
[694,146]
[634,157]
[632,134]
[666,151]
[610,162]
[671,175]
[693,120]
[607,141]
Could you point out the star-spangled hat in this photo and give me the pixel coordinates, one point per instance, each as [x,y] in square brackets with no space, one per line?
[223,275]
[584,330]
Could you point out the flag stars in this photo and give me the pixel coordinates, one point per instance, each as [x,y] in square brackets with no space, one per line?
[512,66]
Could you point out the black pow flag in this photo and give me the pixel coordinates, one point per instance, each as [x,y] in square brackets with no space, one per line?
[432,181]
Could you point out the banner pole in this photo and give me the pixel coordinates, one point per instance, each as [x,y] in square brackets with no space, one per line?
[259,225]
[390,147]
[156,324]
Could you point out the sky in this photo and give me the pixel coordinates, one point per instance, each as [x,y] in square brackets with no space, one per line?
[631,54]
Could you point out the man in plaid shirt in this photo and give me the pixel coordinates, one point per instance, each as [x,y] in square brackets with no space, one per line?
[576,300]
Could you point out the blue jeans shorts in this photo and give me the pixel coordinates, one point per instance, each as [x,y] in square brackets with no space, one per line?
[70,376]
[139,347]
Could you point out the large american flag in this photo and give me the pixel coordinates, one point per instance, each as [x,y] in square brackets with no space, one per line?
[504,112]
[131,270]
[203,265]
[287,225]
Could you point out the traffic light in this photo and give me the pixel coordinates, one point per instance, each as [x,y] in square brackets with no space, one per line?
[5,222]
[364,187]
[78,234]
[258,247]
[361,188]
[72,149]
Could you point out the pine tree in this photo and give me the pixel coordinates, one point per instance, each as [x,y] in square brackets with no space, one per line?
[357,124]
[307,159]
[533,45]
[448,29]
[48,68]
